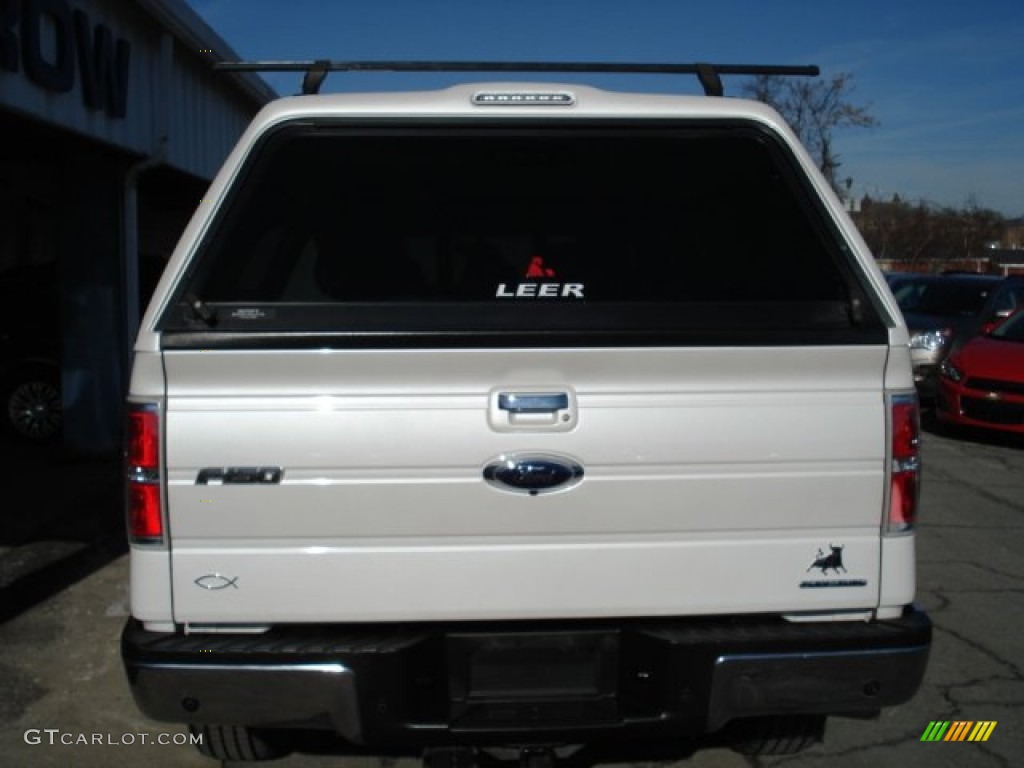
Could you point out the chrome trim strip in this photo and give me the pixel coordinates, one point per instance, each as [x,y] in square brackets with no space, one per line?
[333,668]
[873,652]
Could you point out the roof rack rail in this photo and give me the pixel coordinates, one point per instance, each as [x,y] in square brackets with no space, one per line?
[710,75]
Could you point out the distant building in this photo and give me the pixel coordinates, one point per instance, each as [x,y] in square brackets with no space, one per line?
[113,125]
[1005,261]
[1013,235]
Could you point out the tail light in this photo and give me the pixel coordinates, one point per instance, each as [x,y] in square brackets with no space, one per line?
[142,465]
[904,463]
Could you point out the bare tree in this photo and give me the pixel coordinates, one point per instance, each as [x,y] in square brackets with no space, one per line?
[814,109]
[972,227]
[928,237]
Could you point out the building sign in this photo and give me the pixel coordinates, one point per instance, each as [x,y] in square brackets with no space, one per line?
[55,44]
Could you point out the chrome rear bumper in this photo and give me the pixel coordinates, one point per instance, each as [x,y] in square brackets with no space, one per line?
[571,682]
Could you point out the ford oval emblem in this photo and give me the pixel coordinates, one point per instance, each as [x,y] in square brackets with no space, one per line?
[533,473]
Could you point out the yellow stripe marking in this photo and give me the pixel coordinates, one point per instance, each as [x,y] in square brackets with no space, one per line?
[983,730]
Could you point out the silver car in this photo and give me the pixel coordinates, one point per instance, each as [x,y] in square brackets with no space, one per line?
[943,311]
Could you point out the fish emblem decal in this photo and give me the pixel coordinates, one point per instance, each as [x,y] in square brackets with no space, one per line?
[213,581]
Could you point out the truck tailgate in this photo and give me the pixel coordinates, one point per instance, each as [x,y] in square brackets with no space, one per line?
[348,485]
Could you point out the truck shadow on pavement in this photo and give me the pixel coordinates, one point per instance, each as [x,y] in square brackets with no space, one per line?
[61,520]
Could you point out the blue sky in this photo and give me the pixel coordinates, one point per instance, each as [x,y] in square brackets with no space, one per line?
[944,78]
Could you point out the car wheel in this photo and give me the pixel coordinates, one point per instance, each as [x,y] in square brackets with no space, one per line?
[33,406]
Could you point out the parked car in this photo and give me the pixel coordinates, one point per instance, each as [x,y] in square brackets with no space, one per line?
[982,383]
[30,390]
[895,278]
[943,311]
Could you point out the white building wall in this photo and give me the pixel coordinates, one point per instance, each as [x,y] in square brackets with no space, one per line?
[171,89]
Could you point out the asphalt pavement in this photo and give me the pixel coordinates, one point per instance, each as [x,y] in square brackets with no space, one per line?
[61,518]
[64,599]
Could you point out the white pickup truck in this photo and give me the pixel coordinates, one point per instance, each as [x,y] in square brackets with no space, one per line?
[520,419]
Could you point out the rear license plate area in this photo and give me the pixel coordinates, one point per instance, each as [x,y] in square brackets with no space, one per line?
[532,679]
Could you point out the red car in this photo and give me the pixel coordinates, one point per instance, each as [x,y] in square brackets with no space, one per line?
[982,383]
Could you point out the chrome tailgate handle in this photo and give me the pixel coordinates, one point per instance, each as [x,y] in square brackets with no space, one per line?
[532,409]
[533,402]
